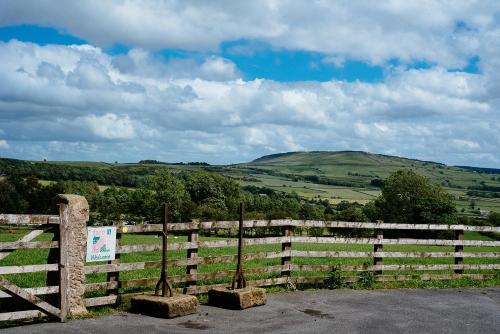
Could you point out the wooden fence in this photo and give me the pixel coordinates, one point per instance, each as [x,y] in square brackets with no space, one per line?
[57,276]
[288,264]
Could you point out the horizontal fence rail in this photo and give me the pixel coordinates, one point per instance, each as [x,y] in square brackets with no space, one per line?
[10,219]
[289,262]
[214,225]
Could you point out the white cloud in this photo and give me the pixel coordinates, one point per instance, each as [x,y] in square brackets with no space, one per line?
[85,100]
[4,145]
[442,32]
[110,126]
[217,68]
[465,145]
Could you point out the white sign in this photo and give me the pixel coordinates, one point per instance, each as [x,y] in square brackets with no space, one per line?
[101,243]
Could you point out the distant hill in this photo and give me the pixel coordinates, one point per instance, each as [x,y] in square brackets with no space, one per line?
[357,167]
[481,169]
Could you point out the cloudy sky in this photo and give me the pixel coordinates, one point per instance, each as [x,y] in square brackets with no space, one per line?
[229,81]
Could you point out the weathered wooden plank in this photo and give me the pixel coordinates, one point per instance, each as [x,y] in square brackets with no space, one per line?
[28,296]
[439,254]
[99,301]
[28,237]
[112,285]
[44,290]
[144,282]
[11,219]
[301,223]
[21,315]
[387,226]
[395,267]
[200,244]
[345,254]
[401,241]
[154,247]
[298,253]
[209,225]
[116,267]
[104,268]
[33,268]
[28,245]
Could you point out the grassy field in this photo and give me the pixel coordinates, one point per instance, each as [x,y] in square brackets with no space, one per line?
[39,256]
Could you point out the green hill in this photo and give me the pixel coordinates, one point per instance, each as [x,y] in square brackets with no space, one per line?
[362,167]
[353,175]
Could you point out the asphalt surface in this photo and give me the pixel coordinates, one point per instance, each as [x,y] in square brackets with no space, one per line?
[338,311]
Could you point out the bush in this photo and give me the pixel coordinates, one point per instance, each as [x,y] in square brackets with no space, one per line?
[366,279]
[335,279]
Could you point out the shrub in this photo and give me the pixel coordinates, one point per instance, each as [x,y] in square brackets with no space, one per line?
[366,279]
[335,279]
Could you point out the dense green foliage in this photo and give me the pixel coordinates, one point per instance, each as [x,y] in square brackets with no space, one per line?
[410,198]
[189,195]
[56,172]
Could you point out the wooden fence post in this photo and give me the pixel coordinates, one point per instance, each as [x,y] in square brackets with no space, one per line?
[378,261]
[286,246]
[73,215]
[459,235]
[192,269]
[114,276]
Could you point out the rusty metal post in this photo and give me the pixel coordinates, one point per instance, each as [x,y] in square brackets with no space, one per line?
[165,284]
[239,279]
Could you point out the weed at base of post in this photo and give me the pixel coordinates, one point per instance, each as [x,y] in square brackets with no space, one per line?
[366,279]
[335,280]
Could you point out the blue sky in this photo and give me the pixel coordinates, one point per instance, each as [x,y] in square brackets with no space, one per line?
[254,60]
[227,83]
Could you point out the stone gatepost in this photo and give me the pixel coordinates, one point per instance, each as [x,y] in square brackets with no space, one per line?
[74,214]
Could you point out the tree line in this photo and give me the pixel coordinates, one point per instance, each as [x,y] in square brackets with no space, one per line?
[406,197]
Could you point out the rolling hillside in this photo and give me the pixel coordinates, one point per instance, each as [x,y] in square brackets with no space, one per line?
[356,166]
[334,176]
[350,175]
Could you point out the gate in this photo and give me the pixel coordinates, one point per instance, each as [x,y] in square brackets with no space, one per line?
[49,300]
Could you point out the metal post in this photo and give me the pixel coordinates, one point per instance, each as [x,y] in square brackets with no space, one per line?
[238,279]
[163,277]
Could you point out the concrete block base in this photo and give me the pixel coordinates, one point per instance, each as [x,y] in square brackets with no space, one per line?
[237,299]
[164,307]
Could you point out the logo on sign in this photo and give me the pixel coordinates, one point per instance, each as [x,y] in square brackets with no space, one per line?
[101,242]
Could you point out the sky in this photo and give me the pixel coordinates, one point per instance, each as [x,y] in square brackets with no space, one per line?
[230,81]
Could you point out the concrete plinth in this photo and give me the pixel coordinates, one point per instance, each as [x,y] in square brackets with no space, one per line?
[164,307]
[237,299]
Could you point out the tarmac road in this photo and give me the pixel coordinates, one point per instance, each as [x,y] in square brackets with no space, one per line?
[325,311]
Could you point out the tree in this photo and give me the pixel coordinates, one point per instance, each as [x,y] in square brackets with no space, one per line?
[168,189]
[410,198]
[494,218]
[11,200]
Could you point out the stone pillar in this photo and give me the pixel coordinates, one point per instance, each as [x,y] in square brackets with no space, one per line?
[74,214]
